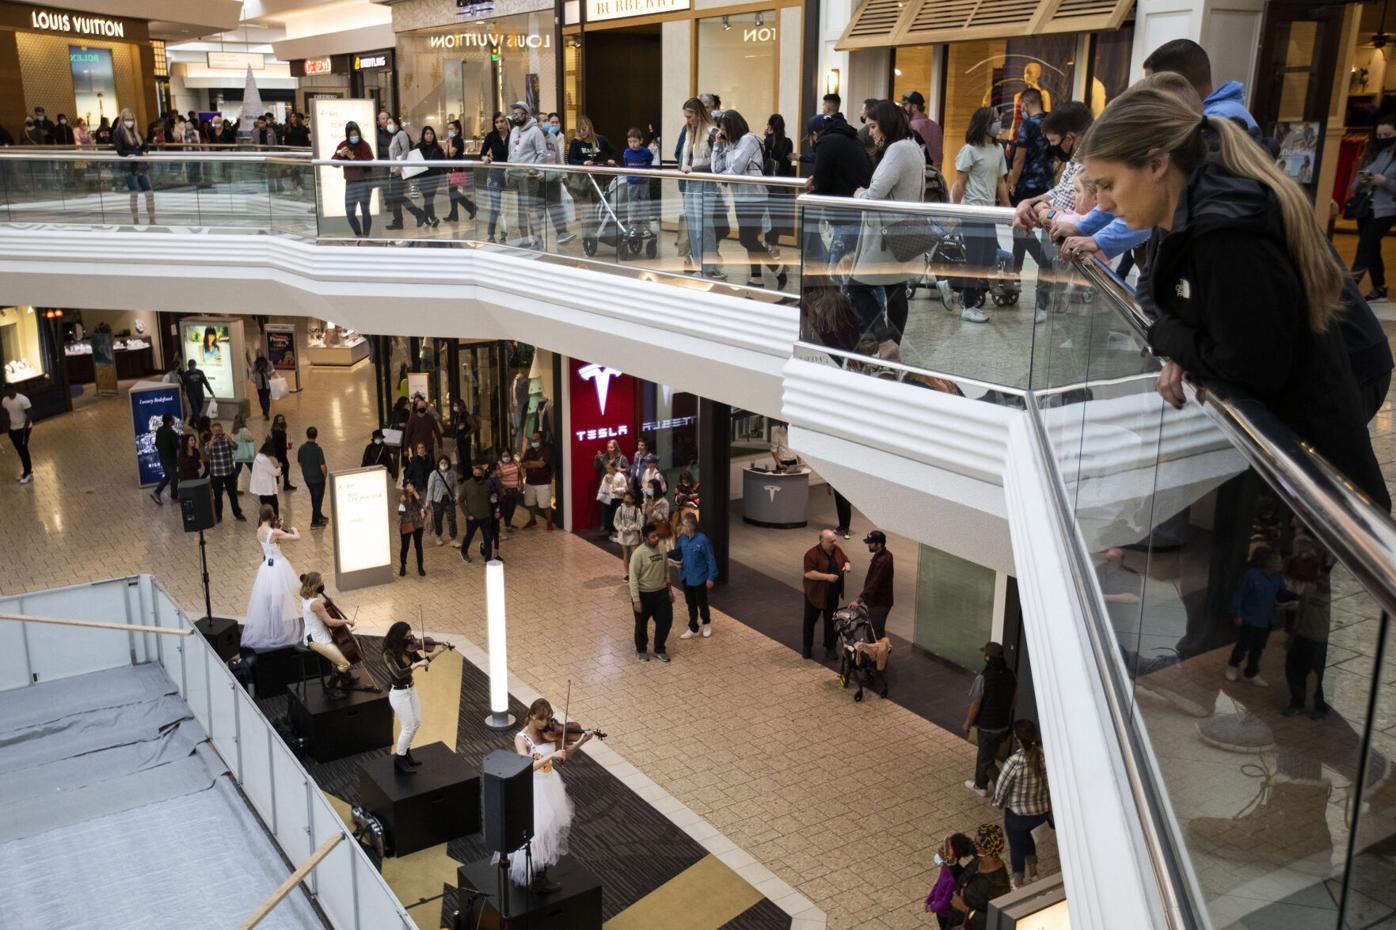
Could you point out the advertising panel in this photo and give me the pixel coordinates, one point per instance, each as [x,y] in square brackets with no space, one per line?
[359,504]
[150,401]
[210,343]
[94,83]
[328,117]
[419,382]
[603,407]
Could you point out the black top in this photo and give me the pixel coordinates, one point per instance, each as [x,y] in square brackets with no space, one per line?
[841,165]
[194,382]
[278,441]
[978,889]
[431,151]
[298,135]
[385,139]
[495,146]
[1232,309]
[379,454]
[167,443]
[399,666]
[778,156]
[599,151]
[996,703]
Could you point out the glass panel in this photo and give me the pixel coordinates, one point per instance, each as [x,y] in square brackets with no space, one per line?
[993,72]
[954,605]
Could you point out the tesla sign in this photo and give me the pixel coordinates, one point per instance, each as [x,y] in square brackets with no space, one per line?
[602,408]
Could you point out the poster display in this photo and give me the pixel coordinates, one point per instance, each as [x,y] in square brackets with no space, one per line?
[328,117]
[363,541]
[94,83]
[280,349]
[1298,156]
[419,382]
[150,401]
[210,343]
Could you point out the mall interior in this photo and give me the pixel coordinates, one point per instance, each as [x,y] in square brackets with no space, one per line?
[647,426]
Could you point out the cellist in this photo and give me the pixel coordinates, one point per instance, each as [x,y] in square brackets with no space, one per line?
[318,623]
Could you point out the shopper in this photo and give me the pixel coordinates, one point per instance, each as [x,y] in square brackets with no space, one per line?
[441,497]
[422,429]
[457,178]
[778,152]
[527,146]
[626,524]
[1377,179]
[1246,284]
[737,151]
[429,181]
[130,143]
[315,473]
[927,129]
[377,453]
[1033,173]
[412,521]
[265,471]
[825,566]
[417,464]
[475,500]
[697,573]
[952,857]
[220,453]
[991,701]
[984,880]
[840,170]
[261,375]
[400,143]
[538,482]
[511,484]
[650,594]
[699,197]
[195,382]
[190,459]
[19,424]
[1261,590]
[877,587]
[282,444]
[358,180]
[878,284]
[1308,645]
[1022,794]
[494,149]
[167,449]
[980,180]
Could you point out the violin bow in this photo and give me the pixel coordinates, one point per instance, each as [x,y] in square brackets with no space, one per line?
[422,625]
[565,709]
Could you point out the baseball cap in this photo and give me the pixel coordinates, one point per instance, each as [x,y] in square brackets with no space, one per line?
[876,536]
[520,105]
[816,123]
[993,650]
[914,98]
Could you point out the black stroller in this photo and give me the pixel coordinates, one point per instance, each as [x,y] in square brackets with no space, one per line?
[622,220]
[854,629]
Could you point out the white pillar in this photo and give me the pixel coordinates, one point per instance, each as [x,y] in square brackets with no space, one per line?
[1230,33]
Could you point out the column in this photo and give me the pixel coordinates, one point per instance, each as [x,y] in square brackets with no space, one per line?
[715,473]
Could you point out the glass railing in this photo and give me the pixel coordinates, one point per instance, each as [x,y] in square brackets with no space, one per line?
[1237,583]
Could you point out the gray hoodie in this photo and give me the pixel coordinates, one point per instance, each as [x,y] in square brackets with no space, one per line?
[527,145]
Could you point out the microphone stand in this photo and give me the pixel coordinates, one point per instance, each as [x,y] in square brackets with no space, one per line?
[203,562]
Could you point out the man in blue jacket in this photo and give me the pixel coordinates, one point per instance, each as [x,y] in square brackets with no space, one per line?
[698,573]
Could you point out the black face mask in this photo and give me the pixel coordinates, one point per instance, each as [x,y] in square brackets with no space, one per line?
[1381,143]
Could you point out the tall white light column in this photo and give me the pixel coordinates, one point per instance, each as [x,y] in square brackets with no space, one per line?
[499,717]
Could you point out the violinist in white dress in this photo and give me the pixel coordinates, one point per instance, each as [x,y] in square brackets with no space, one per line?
[273,611]
[552,808]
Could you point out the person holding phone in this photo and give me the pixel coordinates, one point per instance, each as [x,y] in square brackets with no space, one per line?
[358,182]
[1378,177]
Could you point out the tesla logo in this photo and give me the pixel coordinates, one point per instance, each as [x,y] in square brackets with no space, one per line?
[773,490]
[601,376]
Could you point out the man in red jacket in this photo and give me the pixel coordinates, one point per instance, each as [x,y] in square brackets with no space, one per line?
[825,566]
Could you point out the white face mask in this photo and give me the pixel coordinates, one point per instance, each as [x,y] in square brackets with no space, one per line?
[505,459]
[392,127]
[444,468]
[649,492]
[939,860]
[377,442]
[130,124]
[995,128]
[450,134]
[533,445]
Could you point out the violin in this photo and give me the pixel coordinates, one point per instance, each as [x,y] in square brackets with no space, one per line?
[415,643]
[574,729]
[341,635]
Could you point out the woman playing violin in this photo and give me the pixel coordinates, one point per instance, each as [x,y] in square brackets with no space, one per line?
[402,655]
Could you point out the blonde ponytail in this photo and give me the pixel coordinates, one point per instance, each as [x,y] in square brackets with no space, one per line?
[1161,115]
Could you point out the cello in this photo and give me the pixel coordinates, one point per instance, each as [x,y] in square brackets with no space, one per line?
[341,635]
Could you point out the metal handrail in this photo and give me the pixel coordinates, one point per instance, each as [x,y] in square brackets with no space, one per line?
[957,211]
[108,155]
[1359,533]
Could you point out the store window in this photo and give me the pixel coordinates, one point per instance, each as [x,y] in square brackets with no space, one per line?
[737,60]
[1110,54]
[473,70]
[994,72]
[912,69]
[20,346]
[669,426]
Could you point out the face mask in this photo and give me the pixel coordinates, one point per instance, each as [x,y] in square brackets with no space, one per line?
[939,860]
[62,122]
[377,442]
[533,445]
[505,459]
[444,468]
[354,140]
[1383,143]
[450,134]
[392,127]
[995,128]
[130,124]
[649,492]
[478,477]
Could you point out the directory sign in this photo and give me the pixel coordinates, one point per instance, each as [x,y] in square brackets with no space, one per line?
[359,512]
[150,401]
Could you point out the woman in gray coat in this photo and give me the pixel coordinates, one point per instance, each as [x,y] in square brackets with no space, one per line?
[1378,176]
[738,151]
[879,280]
[396,197]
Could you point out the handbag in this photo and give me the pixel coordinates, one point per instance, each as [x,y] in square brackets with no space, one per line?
[1359,205]
[212,409]
[908,237]
[245,452]
[458,177]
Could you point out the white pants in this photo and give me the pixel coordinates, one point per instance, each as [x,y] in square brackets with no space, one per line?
[408,708]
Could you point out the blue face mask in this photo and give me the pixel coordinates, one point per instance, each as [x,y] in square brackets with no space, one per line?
[939,860]
[353,140]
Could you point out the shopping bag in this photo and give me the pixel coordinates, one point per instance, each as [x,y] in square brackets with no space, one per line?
[392,437]
[1041,832]
[569,206]
[212,409]
[278,387]
[417,164]
[458,177]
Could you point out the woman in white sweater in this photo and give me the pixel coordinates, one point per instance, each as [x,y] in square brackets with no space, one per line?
[265,471]
[738,151]
[699,197]
[900,174]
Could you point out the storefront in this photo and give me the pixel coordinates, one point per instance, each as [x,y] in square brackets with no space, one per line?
[372,77]
[469,69]
[74,63]
[30,358]
[135,353]
[326,76]
[748,56]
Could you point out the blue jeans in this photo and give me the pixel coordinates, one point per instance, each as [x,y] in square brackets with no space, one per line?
[495,186]
[138,180]
[1022,849]
[699,203]
[358,194]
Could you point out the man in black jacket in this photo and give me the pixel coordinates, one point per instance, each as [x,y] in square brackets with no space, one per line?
[194,382]
[167,447]
[841,167]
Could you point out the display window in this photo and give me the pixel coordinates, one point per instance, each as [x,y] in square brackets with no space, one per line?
[738,59]
[995,72]
[20,346]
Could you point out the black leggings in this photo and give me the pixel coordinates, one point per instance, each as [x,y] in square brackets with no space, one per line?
[459,199]
[414,537]
[868,309]
[1370,231]
[749,234]
[358,195]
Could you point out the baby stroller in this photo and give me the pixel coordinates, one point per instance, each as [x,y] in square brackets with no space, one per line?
[854,629]
[622,220]
[1004,287]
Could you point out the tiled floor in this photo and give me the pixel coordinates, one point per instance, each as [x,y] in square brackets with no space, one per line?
[737,728]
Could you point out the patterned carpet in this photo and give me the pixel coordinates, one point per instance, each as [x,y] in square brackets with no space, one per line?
[632,848]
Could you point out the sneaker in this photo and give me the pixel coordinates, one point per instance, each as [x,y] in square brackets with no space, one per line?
[707,630]
[1039,316]
[982,792]
[455,544]
[25,479]
[642,656]
[688,634]
[847,534]
[974,315]
[1257,681]
[566,238]
[1232,673]
[440,541]
[662,656]
[153,496]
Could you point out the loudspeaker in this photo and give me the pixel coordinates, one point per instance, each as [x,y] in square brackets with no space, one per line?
[196,504]
[507,800]
[223,634]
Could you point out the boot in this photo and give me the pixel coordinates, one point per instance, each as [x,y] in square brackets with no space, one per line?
[150,207]
[135,210]
[402,766]
[1286,823]
[411,761]
[544,885]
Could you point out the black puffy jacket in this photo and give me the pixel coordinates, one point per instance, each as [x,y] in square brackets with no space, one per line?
[841,164]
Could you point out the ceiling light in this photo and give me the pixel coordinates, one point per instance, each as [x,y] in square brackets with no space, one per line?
[760,21]
[726,22]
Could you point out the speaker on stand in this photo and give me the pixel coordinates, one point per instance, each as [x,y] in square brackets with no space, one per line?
[506,787]
[196,512]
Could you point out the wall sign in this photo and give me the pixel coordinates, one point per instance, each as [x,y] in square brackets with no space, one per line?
[360,503]
[237,61]
[491,40]
[150,401]
[73,24]
[602,401]
[318,66]
[599,10]
[370,61]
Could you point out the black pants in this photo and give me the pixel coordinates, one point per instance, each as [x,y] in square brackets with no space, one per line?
[171,477]
[1370,231]
[358,195]
[656,605]
[317,498]
[696,597]
[1023,242]
[749,234]
[443,510]
[409,538]
[20,437]
[458,199]
[991,746]
[1039,246]
[981,255]
[396,200]
[608,517]
[1305,656]
[811,617]
[264,399]
[780,203]
[225,484]
[285,472]
[1250,641]
[428,190]
[868,308]
[486,527]
[270,500]
[845,512]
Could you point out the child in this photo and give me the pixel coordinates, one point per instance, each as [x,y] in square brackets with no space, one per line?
[637,187]
[952,852]
[1262,587]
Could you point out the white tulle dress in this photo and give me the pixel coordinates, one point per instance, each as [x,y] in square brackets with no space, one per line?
[273,612]
[552,817]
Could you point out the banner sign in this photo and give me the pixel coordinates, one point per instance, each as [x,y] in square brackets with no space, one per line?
[602,402]
[150,401]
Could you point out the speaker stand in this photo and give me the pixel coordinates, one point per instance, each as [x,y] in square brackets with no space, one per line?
[203,564]
[221,632]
